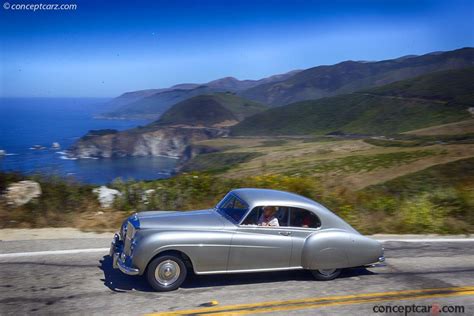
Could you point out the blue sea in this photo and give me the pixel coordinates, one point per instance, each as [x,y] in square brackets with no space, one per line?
[28,122]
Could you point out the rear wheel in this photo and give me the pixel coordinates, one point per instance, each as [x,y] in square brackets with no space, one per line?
[326,274]
[166,273]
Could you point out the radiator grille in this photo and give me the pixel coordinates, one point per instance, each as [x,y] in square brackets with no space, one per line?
[128,238]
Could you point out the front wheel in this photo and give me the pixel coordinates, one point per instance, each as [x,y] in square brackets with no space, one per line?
[166,273]
[326,274]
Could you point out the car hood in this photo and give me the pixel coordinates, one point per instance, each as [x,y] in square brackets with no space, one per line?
[181,219]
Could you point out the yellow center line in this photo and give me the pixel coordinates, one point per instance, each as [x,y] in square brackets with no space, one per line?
[309,306]
[317,302]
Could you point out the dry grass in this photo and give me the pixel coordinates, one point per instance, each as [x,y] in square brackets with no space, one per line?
[366,164]
[359,181]
[463,127]
[88,217]
[279,158]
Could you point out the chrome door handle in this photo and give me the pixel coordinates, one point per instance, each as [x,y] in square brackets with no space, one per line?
[285,233]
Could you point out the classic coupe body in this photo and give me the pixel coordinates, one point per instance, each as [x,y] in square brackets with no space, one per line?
[230,238]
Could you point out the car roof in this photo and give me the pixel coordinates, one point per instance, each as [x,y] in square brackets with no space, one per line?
[253,196]
[261,197]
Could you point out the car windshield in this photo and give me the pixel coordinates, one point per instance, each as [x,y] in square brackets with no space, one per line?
[232,208]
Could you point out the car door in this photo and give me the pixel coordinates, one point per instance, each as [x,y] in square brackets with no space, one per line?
[302,224]
[259,247]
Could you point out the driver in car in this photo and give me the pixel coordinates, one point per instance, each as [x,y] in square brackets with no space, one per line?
[268,217]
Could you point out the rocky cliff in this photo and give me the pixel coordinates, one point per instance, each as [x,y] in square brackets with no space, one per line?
[169,141]
[198,118]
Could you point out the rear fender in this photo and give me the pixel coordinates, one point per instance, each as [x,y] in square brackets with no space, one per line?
[363,250]
[326,250]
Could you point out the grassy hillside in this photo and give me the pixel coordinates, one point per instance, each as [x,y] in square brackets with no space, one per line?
[439,198]
[377,189]
[218,162]
[433,99]
[452,86]
[210,109]
[350,76]
[454,174]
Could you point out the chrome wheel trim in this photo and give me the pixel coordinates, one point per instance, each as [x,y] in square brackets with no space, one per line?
[167,272]
[327,272]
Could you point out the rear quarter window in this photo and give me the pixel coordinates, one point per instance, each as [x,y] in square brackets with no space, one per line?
[303,218]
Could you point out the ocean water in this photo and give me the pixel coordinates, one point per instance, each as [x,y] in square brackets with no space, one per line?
[26,122]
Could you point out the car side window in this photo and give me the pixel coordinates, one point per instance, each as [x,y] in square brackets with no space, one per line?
[256,217]
[229,203]
[252,218]
[303,218]
[233,208]
[238,204]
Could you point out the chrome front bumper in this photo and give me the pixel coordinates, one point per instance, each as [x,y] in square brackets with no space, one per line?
[119,259]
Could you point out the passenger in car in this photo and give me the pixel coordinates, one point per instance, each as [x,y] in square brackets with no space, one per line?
[268,217]
[307,221]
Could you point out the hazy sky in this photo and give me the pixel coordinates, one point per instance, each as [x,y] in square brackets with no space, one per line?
[104,48]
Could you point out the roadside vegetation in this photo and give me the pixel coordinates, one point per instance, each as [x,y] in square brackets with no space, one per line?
[438,199]
[62,203]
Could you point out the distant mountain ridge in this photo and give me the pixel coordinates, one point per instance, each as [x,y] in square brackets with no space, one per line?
[349,76]
[152,103]
[132,96]
[298,85]
[429,100]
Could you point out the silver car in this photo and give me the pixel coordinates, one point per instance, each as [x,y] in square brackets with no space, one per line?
[249,230]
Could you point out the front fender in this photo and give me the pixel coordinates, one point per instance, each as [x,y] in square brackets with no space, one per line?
[207,250]
[151,243]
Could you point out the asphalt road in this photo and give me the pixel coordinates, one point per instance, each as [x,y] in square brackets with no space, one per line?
[83,282]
